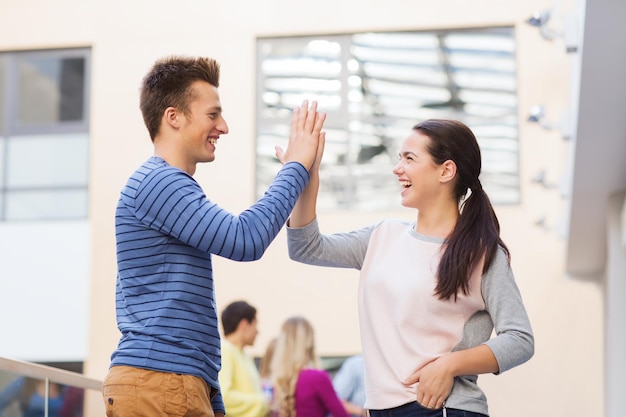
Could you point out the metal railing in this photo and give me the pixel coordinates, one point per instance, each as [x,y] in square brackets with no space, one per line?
[42,389]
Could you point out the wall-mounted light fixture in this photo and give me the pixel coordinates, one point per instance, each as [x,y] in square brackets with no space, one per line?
[540,178]
[540,20]
[537,115]
[557,226]
[561,185]
[542,223]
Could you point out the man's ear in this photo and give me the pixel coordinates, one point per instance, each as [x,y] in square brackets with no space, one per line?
[171,117]
[448,171]
[242,323]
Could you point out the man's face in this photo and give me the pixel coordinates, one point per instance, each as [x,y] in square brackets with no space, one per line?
[250,331]
[202,126]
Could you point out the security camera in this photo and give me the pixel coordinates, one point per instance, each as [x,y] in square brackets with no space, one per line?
[539,19]
[537,115]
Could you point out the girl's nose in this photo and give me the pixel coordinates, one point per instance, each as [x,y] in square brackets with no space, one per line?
[397,169]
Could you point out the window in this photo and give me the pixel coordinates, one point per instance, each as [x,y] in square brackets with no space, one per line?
[44,134]
[374,88]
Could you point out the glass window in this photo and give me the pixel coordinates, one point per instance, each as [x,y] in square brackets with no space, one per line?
[3,92]
[50,90]
[3,164]
[44,139]
[57,204]
[47,161]
[2,169]
[374,88]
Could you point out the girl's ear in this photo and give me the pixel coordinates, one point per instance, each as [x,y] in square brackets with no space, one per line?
[448,171]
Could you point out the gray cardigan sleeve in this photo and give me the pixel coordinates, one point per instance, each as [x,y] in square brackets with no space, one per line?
[340,250]
[514,341]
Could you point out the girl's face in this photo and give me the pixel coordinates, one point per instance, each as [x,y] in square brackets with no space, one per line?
[417,172]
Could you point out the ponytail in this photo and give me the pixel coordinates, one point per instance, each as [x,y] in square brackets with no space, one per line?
[475,237]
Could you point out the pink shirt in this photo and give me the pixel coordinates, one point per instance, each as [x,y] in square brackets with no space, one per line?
[403,325]
[315,395]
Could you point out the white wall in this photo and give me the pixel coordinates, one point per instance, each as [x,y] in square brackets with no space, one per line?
[44,290]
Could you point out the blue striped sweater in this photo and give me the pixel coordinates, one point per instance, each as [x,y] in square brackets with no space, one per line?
[166,231]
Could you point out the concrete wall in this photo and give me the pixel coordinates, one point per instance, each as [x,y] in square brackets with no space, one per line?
[564,378]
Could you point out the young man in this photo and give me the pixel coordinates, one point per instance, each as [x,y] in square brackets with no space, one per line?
[239,378]
[168,357]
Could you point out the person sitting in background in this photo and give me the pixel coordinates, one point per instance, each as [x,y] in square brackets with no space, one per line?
[239,379]
[349,383]
[300,388]
[74,401]
[30,393]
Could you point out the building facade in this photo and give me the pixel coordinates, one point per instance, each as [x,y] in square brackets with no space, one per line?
[57,275]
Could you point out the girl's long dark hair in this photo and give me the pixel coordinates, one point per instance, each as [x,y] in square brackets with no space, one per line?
[477,231]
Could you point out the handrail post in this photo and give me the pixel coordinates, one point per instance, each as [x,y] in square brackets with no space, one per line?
[46,402]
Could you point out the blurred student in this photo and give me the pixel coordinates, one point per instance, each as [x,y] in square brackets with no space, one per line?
[349,383]
[301,388]
[30,394]
[239,378]
[73,403]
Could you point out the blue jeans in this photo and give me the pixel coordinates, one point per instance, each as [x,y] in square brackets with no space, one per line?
[414,409]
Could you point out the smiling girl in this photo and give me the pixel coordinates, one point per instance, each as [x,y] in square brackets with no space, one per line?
[431,291]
